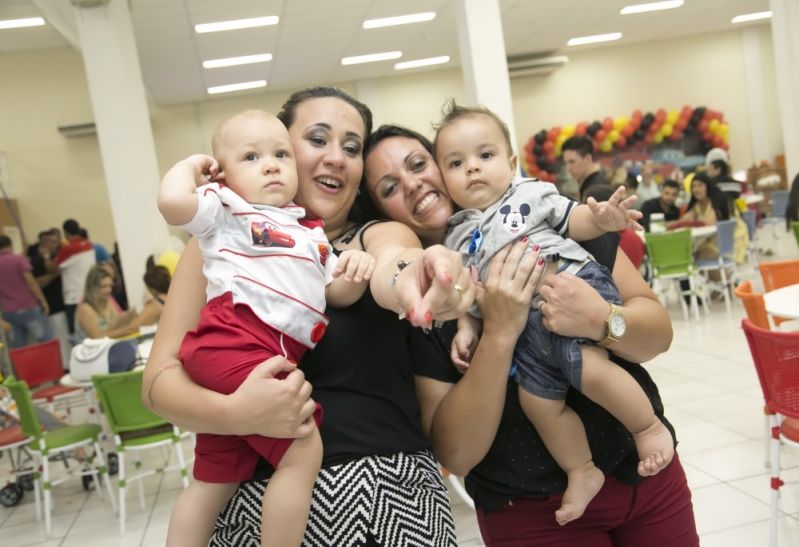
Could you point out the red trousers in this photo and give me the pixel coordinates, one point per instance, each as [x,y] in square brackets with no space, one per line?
[655,513]
[220,353]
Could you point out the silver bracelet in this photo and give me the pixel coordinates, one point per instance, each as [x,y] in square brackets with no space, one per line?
[401,265]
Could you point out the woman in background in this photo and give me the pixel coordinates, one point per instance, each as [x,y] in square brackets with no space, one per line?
[97,316]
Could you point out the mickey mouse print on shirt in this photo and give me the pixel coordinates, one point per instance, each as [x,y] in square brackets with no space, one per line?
[514,221]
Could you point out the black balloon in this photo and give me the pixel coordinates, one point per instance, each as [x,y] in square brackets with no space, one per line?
[537,150]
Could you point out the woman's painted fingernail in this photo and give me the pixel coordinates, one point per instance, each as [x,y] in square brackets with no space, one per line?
[523,239]
[409,315]
[447,276]
[536,248]
[540,261]
[428,318]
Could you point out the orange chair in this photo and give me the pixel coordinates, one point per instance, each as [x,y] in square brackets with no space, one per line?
[754,304]
[776,357]
[777,275]
[40,366]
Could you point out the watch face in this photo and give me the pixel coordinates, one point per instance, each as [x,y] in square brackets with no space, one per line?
[618,326]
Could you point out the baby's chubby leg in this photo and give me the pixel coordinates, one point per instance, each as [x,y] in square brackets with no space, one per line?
[287,500]
[564,436]
[195,512]
[611,387]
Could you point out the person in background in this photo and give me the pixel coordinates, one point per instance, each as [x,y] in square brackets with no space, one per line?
[648,188]
[665,203]
[707,205]
[578,155]
[101,254]
[74,260]
[157,280]
[21,299]
[792,211]
[96,317]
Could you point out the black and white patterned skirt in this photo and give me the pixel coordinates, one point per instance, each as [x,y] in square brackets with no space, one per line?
[387,501]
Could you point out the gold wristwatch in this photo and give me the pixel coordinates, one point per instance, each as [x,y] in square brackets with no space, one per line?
[615,326]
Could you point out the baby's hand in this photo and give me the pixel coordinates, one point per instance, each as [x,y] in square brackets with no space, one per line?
[206,168]
[355,266]
[463,345]
[615,214]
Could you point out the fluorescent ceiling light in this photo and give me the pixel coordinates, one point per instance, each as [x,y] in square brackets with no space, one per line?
[371,58]
[399,20]
[751,17]
[235,61]
[21,23]
[237,24]
[582,40]
[236,87]
[422,62]
[651,6]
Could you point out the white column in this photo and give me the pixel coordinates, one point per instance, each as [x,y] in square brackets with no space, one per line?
[125,136]
[755,95]
[483,60]
[785,33]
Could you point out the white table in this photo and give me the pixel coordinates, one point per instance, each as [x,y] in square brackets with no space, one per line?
[783,302]
[752,199]
[703,231]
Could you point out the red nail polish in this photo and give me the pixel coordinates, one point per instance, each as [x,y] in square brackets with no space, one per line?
[523,239]
[536,248]
[409,315]
[540,261]
[428,318]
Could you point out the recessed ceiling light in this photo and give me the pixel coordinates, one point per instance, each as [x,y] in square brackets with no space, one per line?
[399,20]
[651,6]
[751,17]
[21,23]
[371,58]
[237,24]
[235,61]
[596,38]
[236,87]
[422,62]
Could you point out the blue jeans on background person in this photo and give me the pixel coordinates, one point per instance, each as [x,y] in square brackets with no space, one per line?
[28,323]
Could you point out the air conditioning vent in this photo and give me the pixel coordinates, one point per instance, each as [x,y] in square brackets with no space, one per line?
[529,66]
[71,130]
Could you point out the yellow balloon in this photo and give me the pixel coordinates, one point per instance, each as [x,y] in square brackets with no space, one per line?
[560,140]
[724,130]
[667,129]
[672,117]
[657,138]
[614,135]
[606,145]
[687,182]
[567,131]
[620,123]
[714,126]
[168,260]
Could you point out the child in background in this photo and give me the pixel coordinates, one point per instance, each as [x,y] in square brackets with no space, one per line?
[473,150]
[269,272]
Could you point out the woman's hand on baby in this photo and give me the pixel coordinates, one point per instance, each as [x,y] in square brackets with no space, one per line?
[355,266]
[267,406]
[572,307]
[615,214]
[435,286]
[512,277]
[206,168]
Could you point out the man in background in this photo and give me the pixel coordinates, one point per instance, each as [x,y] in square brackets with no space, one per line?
[74,260]
[669,191]
[578,155]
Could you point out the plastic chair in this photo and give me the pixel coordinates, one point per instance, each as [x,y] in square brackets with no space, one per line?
[750,218]
[41,368]
[135,429]
[12,440]
[56,444]
[795,228]
[725,237]
[754,305]
[671,257]
[776,357]
[780,274]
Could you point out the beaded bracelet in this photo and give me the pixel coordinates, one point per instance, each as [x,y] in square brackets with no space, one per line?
[401,265]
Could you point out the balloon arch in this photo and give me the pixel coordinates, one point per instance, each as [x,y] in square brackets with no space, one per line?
[543,151]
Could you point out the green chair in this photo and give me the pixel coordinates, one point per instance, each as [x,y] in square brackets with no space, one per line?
[795,227]
[672,259]
[57,444]
[135,429]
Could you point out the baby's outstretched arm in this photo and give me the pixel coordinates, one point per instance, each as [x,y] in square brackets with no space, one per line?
[353,272]
[176,198]
[465,341]
[594,218]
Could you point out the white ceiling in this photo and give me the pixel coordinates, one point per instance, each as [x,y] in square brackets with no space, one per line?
[313,35]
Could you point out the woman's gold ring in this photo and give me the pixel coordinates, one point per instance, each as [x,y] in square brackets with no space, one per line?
[458,288]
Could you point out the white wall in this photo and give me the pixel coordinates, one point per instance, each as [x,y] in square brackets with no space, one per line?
[56,178]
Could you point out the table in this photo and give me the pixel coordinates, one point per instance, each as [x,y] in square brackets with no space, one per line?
[752,199]
[783,302]
[703,231]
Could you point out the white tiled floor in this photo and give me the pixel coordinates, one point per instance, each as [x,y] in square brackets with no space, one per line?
[711,395]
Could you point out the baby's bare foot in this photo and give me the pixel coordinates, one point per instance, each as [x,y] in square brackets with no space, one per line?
[655,448]
[584,484]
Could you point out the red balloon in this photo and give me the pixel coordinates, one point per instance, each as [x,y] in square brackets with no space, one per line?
[551,158]
[581,129]
[686,112]
[548,147]
[702,126]
[718,140]
[681,124]
[675,135]
[725,146]
[528,147]
[553,133]
[648,139]
[707,115]
[530,159]
[621,142]
[660,115]
[637,114]
[707,136]
[607,123]
[543,175]
[627,130]
[600,135]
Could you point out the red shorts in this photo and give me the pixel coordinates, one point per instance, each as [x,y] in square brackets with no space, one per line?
[228,343]
[655,513]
